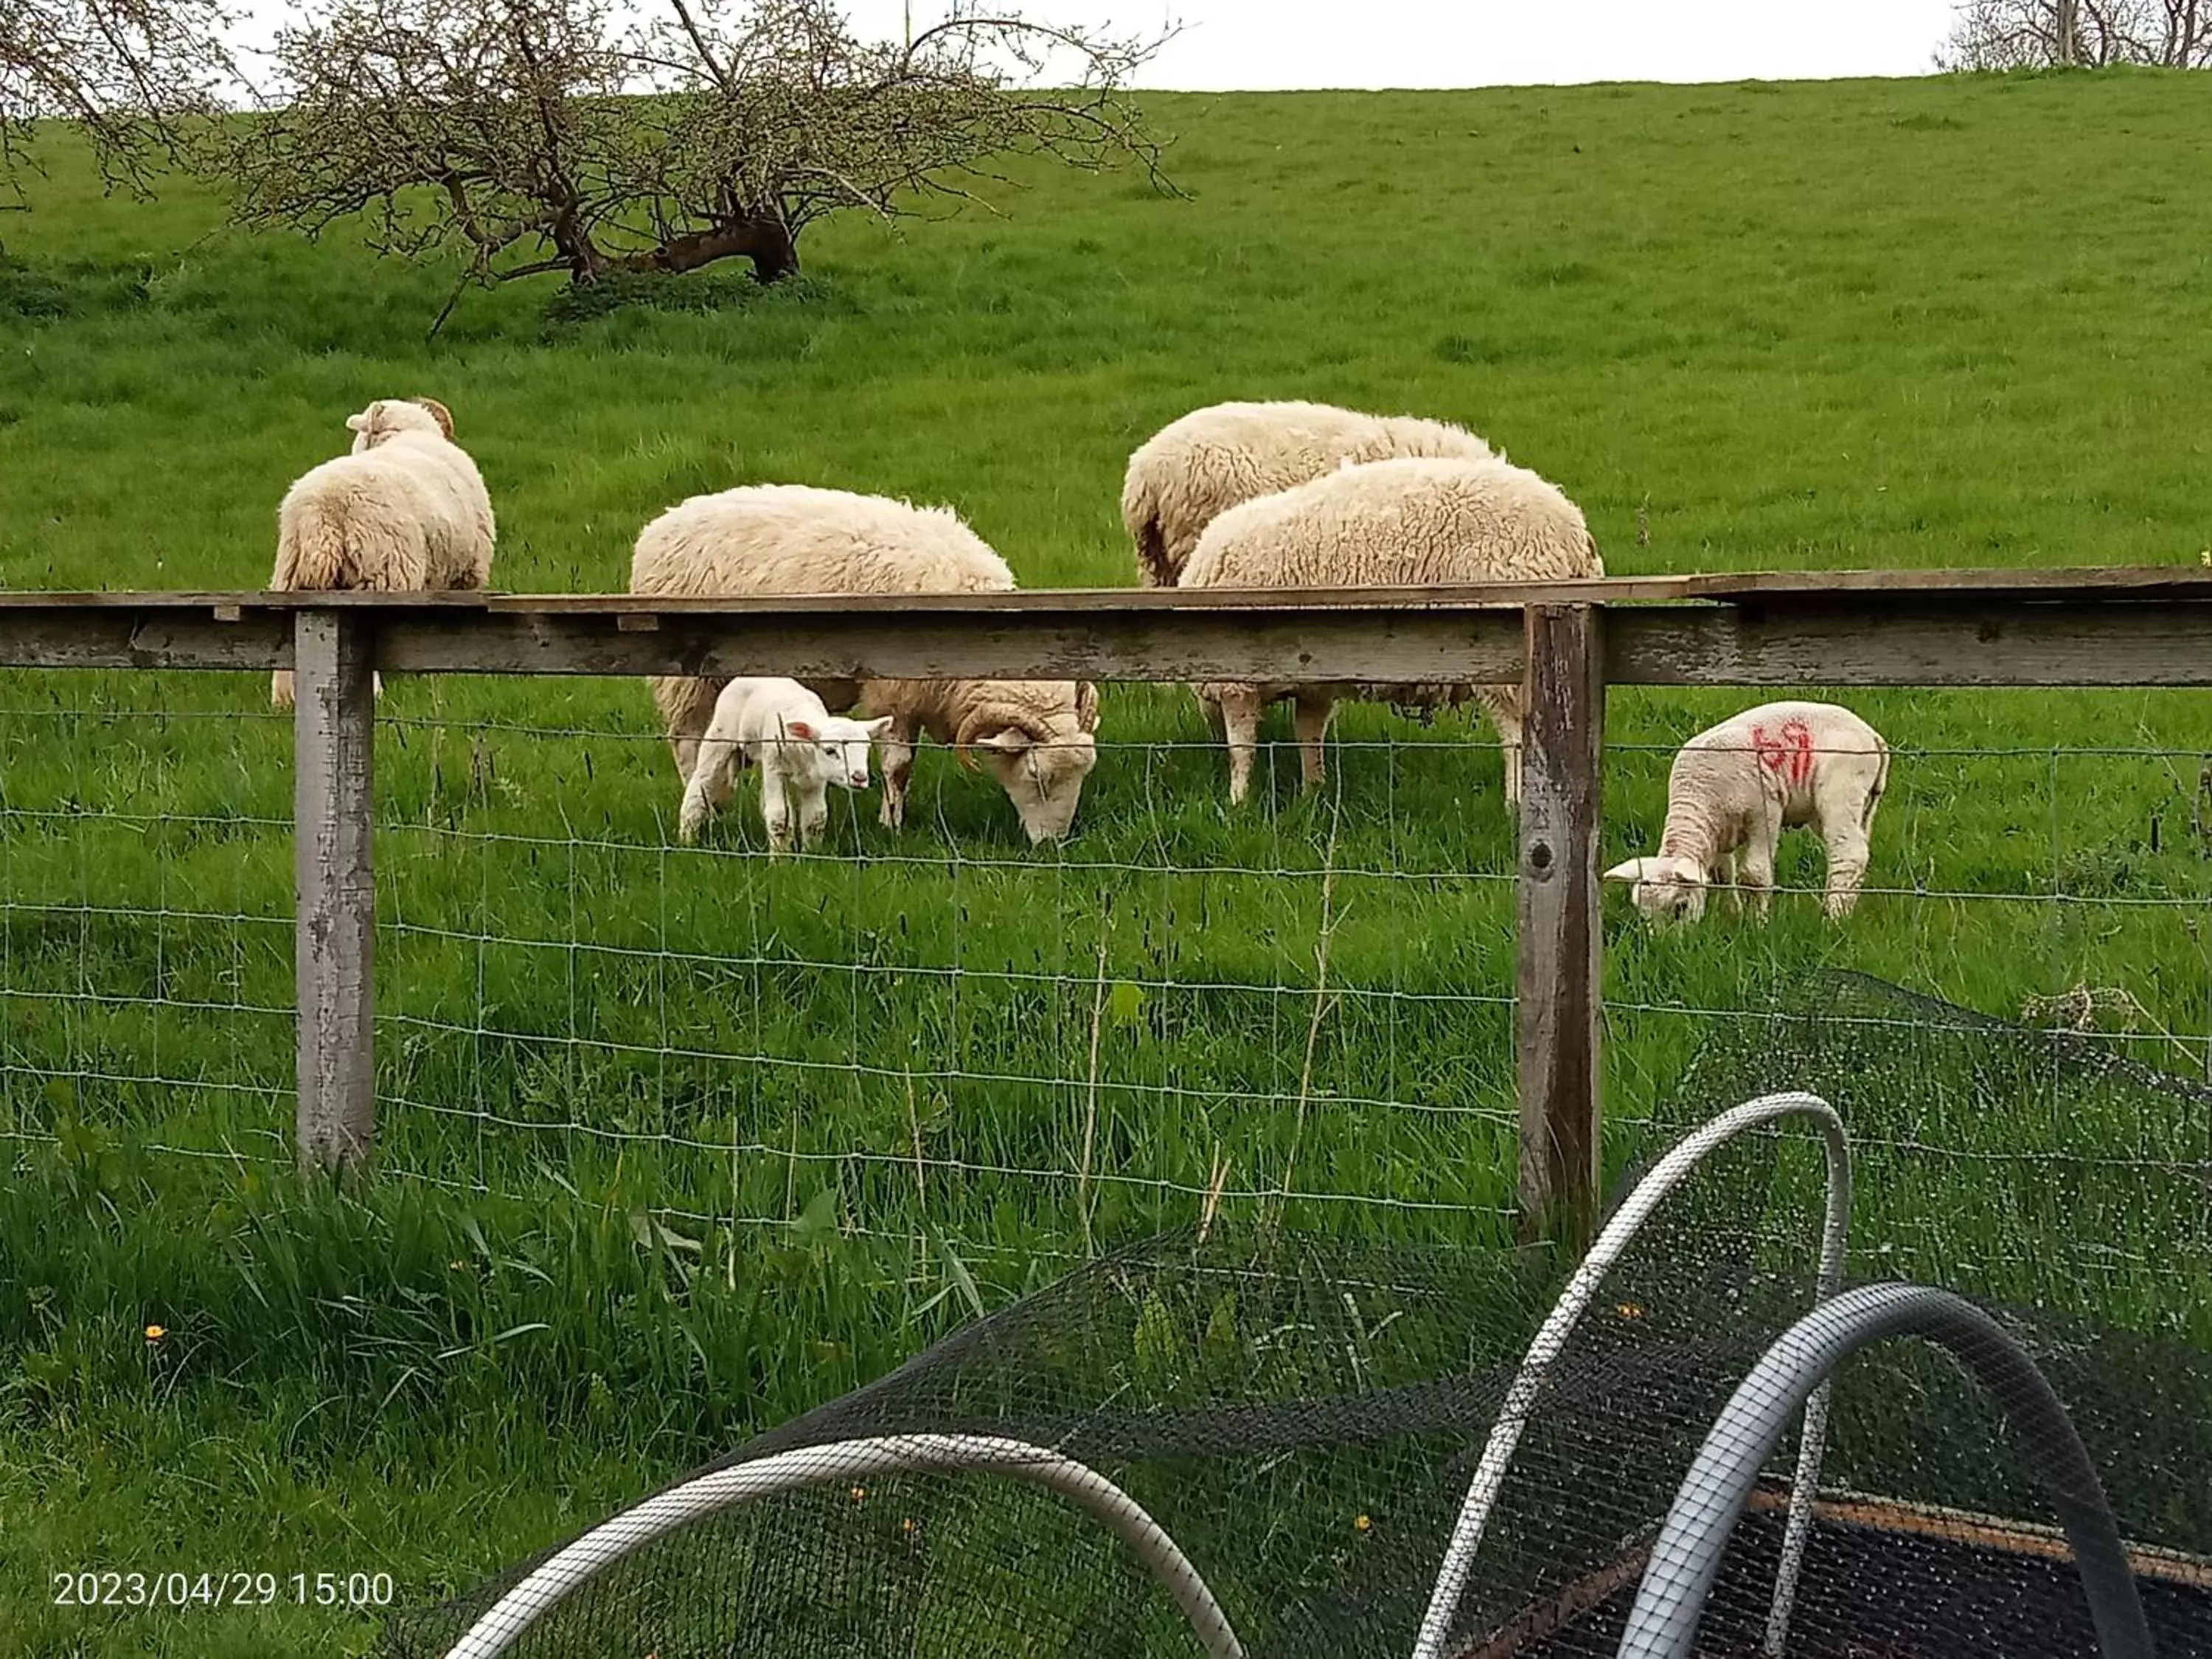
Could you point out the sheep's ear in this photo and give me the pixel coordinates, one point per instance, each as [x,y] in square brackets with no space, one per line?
[439,413]
[356,422]
[1086,707]
[876,728]
[1634,870]
[803,730]
[1009,740]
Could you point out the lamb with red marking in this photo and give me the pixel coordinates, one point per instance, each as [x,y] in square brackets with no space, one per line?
[1733,790]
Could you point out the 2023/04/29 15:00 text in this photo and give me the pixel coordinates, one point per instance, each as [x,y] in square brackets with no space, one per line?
[221,1589]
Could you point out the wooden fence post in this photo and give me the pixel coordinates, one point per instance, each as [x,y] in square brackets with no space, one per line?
[334,738]
[1557,983]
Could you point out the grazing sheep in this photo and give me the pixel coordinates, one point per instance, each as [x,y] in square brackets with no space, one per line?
[1380,524]
[800,747]
[1735,788]
[766,539]
[1195,469]
[405,511]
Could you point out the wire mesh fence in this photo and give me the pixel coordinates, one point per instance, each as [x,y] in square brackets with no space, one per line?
[1301,1007]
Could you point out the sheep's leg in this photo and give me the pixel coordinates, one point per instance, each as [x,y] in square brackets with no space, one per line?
[1503,703]
[1847,868]
[896,749]
[710,786]
[1309,712]
[813,811]
[1728,873]
[1240,723]
[1756,865]
[775,810]
[687,709]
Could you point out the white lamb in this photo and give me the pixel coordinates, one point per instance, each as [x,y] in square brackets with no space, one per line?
[1395,523]
[765,539]
[406,510]
[799,746]
[1195,469]
[1735,788]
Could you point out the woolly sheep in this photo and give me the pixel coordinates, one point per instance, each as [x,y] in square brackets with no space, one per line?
[1195,469]
[801,748]
[1735,788]
[1035,735]
[1394,523]
[405,511]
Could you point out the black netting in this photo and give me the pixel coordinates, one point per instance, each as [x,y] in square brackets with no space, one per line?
[1302,1417]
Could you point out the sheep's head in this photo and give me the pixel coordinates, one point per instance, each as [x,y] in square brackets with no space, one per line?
[387,416]
[1666,888]
[1041,754]
[839,746]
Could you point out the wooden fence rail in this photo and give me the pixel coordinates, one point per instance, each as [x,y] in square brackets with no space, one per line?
[1568,640]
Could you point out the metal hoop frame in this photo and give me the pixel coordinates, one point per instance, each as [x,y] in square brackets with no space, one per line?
[573,1567]
[1551,1340]
[1686,1559]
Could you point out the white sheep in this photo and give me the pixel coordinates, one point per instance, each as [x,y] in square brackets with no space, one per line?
[801,748]
[1193,469]
[1735,788]
[406,511]
[1380,524]
[766,539]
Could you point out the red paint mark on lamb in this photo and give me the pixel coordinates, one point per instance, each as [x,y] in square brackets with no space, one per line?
[1790,753]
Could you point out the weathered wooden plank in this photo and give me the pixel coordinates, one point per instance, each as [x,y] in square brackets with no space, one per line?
[2167,643]
[1863,638]
[920,644]
[1557,979]
[126,638]
[334,741]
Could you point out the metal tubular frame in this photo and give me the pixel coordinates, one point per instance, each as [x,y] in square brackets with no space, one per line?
[574,1566]
[1686,1559]
[1551,1340]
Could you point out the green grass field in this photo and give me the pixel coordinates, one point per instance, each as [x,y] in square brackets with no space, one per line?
[675,1144]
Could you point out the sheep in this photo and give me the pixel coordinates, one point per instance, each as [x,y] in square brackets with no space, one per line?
[405,510]
[801,748]
[1394,523]
[1036,736]
[1734,789]
[1195,469]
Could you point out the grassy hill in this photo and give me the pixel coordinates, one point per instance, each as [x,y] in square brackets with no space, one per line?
[675,1145]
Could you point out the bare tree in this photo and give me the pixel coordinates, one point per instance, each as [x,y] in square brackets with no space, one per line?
[2007,34]
[127,72]
[542,135]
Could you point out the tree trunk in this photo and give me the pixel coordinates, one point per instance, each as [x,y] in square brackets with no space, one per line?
[766,242]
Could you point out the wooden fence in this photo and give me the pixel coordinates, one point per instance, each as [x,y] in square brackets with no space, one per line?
[2108,627]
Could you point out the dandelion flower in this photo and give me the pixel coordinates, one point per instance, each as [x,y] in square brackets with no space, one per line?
[858,1493]
[1629,1310]
[156,1333]
[1361,1523]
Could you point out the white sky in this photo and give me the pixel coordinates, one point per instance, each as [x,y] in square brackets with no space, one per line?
[1268,45]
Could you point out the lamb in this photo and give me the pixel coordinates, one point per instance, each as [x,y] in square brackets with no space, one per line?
[1195,469]
[1735,788]
[1036,736]
[800,747]
[405,511]
[1405,522]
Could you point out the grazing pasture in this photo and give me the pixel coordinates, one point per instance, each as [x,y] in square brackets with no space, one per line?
[677,1142]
